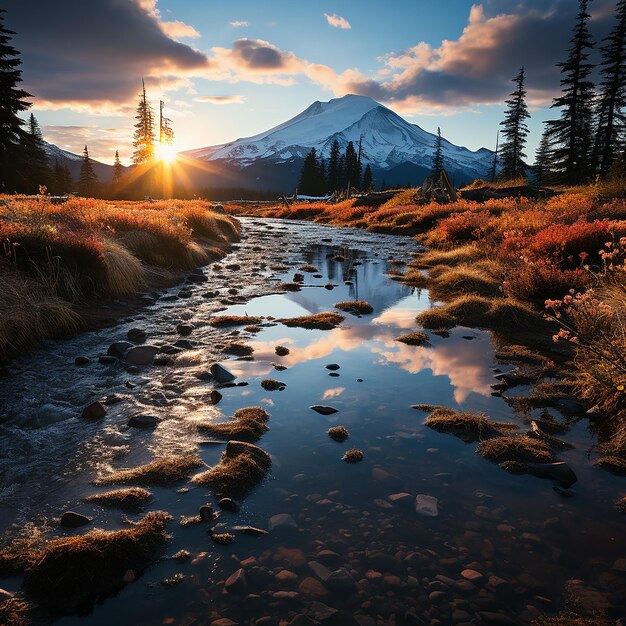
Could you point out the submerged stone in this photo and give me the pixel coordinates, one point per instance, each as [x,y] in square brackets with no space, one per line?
[426,505]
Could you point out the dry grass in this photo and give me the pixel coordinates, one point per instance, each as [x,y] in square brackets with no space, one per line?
[234,320]
[238,349]
[14,612]
[162,471]
[338,433]
[612,463]
[355,307]
[70,574]
[467,426]
[317,321]
[464,279]
[241,467]
[520,448]
[415,338]
[435,319]
[248,424]
[124,272]
[131,499]
[571,619]
[281,350]
[455,256]
[269,384]
[620,505]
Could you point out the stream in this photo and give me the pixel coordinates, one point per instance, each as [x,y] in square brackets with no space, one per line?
[500,550]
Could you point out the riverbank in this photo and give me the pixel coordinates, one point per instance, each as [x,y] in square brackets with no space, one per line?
[86,263]
[543,271]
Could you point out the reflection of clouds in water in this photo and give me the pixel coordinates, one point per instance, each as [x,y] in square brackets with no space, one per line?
[333,392]
[401,317]
[267,401]
[465,363]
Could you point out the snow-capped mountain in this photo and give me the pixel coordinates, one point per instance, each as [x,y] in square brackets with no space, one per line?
[397,151]
[72,161]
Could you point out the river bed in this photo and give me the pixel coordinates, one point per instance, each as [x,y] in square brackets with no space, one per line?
[501,549]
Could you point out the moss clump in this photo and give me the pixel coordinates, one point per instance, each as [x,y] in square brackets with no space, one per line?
[241,467]
[131,499]
[290,286]
[359,307]
[281,350]
[252,329]
[456,256]
[467,426]
[70,574]
[353,456]
[238,349]
[223,539]
[521,448]
[414,339]
[311,269]
[248,424]
[165,470]
[317,321]
[234,320]
[469,310]
[620,505]
[269,384]
[435,319]
[338,433]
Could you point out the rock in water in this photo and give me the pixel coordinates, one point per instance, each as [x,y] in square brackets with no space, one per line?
[119,348]
[142,420]
[206,513]
[136,335]
[215,396]
[70,519]
[237,583]
[184,329]
[283,522]
[227,504]
[324,410]
[221,374]
[426,505]
[141,355]
[93,411]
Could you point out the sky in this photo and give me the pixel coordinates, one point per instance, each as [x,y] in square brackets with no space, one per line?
[233,69]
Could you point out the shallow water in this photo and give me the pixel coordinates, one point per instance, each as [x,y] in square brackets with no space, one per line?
[517,528]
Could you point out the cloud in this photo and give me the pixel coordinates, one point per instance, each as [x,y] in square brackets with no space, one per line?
[337,21]
[239,24]
[221,99]
[177,30]
[92,55]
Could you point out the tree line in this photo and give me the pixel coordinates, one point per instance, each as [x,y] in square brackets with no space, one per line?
[588,139]
[344,171]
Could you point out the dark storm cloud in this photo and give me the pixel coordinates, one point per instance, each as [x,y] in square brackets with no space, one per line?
[477,68]
[95,52]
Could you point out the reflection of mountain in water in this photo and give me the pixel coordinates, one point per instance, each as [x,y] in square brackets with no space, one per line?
[369,280]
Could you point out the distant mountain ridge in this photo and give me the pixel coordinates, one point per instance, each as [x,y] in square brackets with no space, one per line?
[72,161]
[396,150]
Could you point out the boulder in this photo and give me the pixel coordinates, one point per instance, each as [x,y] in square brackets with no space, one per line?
[141,355]
[142,420]
[221,374]
[93,411]
[136,335]
[119,348]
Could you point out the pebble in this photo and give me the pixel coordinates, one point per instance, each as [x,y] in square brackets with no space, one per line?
[426,505]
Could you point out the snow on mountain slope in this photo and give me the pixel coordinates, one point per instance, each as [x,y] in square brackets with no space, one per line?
[54,152]
[387,139]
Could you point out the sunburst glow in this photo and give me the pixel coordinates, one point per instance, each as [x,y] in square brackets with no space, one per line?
[166,153]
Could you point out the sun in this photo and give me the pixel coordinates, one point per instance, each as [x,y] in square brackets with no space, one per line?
[166,153]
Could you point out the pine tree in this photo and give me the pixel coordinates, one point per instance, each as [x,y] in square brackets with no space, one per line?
[494,163]
[12,102]
[611,118]
[36,167]
[541,169]
[515,131]
[144,136]
[312,177]
[62,182]
[438,155]
[117,169]
[571,134]
[88,179]
[333,167]
[353,168]
[368,179]
[359,160]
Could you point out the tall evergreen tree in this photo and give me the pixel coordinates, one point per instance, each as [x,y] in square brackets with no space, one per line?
[88,180]
[12,102]
[571,135]
[333,167]
[36,167]
[494,163]
[117,169]
[438,155]
[611,118]
[144,136]
[353,168]
[359,160]
[541,169]
[312,181]
[62,182]
[368,179]
[515,131]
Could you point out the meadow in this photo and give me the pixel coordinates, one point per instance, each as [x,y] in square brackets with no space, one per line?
[59,260]
[551,273]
